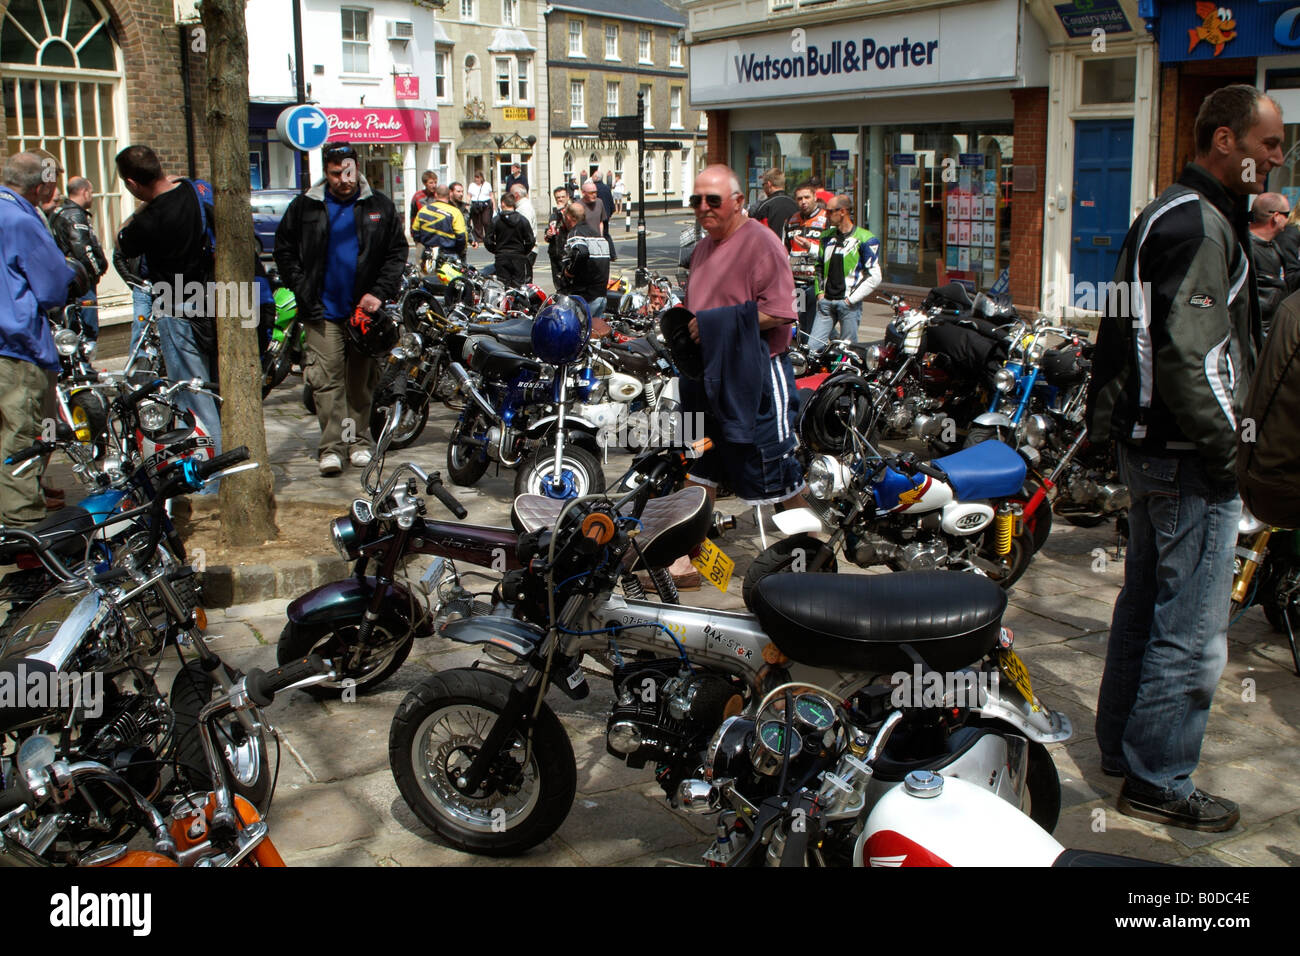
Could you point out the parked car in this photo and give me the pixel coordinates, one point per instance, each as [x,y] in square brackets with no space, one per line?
[268,206]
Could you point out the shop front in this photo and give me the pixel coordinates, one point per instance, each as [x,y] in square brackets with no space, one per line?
[918,117]
[1202,49]
[392,143]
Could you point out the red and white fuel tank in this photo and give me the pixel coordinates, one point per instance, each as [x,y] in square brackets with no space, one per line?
[930,820]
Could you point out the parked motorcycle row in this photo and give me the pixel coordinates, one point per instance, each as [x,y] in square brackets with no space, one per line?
[785,722]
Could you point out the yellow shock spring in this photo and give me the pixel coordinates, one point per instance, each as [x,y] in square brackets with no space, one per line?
[1004,530]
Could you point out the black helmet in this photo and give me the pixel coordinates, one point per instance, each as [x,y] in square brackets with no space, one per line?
[373,334]
[842,399]
[674,326]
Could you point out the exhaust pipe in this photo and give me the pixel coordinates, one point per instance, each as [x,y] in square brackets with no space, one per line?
[467,386]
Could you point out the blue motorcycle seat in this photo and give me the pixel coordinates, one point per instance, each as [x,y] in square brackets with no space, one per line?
[991,469]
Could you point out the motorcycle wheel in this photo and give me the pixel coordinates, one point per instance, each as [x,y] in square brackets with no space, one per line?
[308,399]
[88,420]
[580,473]
[436,733]
[981,433]
[244,756]
[1022,552]
[465,463]
[390,644]
[408,429]
[779,557]
[1042,788]
[1085,521]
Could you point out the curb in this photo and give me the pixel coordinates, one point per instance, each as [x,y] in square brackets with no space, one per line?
[225,586]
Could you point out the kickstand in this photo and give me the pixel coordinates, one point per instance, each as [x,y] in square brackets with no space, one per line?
[758,519]
[1290,636]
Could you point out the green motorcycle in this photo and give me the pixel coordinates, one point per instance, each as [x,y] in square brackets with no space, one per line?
[288,340]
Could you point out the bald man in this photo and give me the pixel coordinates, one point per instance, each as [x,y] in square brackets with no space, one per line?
[1268,218]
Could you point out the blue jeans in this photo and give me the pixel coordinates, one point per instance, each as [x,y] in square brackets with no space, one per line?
[141,305]
[183,360]
[1169,633]
[830,311]
[90,315]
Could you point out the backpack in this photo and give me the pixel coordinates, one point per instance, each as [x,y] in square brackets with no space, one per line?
[1268,439]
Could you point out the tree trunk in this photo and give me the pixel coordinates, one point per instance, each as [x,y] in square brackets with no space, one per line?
[247,498]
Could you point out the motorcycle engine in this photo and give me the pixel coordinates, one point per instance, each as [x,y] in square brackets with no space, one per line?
[924,555]
[665,713]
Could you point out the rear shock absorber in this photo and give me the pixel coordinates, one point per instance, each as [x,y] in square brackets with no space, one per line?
[1004,526]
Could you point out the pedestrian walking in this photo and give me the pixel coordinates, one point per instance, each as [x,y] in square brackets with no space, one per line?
[1169,381]
[619,192]
[341,248]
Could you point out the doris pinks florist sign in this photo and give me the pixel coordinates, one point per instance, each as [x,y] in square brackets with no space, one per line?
[382,125]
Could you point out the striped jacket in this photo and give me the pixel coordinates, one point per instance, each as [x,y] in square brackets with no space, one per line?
[1180,328]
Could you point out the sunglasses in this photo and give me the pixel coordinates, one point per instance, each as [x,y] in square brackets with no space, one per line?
[336,154]
[713,199]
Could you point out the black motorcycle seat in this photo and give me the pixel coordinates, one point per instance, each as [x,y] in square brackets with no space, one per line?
[853,621]
[670,526]
[516,333]
[496,358]
[635,357]
[64,531]
[17,670]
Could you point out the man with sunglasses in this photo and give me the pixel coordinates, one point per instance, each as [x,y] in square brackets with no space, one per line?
[740,263]
[1268,218]
[340,246]
[848,272]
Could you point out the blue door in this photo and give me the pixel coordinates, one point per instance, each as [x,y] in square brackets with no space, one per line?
[1103,172]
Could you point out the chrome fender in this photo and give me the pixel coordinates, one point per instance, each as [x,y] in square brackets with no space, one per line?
[1000,700]
[993,420]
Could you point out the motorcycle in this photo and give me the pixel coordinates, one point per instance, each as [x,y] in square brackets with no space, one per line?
[1266,571]
[367,623]
[108,628]
[962,512]
[288,345]
[49,795]
[482,760]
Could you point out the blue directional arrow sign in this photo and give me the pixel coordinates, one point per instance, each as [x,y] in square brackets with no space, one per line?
[303,127]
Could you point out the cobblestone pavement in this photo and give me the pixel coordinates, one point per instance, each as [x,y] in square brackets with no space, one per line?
[336,802]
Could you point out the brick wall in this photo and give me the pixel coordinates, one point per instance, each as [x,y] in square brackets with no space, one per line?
[1182,88]
[147,34]
[1030,119]
[716,149]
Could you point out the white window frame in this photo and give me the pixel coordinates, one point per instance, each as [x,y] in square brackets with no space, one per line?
[523,80]
[648,99]
[674,50]
[645,46]
[675,108]
[704,121]
[618,167]
[576,43]
[498,76]
[615,38]
[611,109]
[349,46]
[510,13]
[568,172]
[648,183]
[668,172]
[578,103]
[442,71]
[467,11]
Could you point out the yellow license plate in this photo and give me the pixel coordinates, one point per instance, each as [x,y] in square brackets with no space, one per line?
[1014,670]
[714,566]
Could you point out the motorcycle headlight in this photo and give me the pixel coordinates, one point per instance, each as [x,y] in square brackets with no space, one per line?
[154,416]
[1004,381]
[825,477]
[65,341]
[1036,429]
[798,361]
[344,535]
[871,356]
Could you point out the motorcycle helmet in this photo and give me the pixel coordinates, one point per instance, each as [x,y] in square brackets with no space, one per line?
[675,327]
[561,330]
[824,420]
[372,334]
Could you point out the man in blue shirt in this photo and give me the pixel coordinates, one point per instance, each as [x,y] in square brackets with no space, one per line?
[34,278]
[340,246]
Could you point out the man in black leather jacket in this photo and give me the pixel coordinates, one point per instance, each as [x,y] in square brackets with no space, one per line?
[70,221]
[510,239]
[1268,217]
